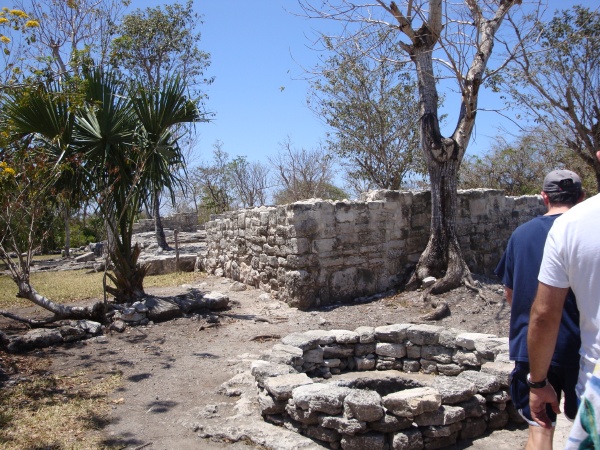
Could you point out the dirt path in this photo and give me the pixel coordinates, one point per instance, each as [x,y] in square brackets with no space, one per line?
[173,371]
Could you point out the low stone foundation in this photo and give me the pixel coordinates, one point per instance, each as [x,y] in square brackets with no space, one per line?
[396,387]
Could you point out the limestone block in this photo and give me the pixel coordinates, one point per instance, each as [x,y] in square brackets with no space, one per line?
[320,397]
[437,353]
[306,417]
[281,387]
[454,390]
[343,337]
[450,370]
[365,362]
[366,335]
[407,440]
[413,351]
[466,358]
[444,415]
[268,405]
[371,441]
[502,396]
[390,350]
[323,434]
[439,431]
[301,340]
[365,349]
[389,423]
[160,310]
[215,300]
[476,406]
[428,366]
[71,333]
[392,333]
[412,402]
[338,351]
[286,354]
[313,356]
[496,419]
[343,425]
[485,382]
[262,370]
[468,340]
[363,405]
[472,428]
[424,334]
[324,337]
[502,370]
[448,337]
[86,257]
[411,366]
[332,363]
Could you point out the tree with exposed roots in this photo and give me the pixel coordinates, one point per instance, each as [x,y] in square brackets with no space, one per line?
[456,37]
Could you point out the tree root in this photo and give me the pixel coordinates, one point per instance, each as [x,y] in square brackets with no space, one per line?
[33,323]
[441,310]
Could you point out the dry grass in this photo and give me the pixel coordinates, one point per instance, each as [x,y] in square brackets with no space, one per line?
[76,285]
[47,411]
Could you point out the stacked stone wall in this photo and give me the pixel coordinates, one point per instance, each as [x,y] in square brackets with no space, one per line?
[373,404]
[318,252]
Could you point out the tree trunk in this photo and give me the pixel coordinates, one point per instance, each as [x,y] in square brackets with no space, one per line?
[442,258]
[158,227]
[67,231]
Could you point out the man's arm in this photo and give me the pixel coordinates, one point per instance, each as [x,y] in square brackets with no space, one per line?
[544,323]
[508,293]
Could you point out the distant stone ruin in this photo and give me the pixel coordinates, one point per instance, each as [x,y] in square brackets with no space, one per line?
[318,252]
[397,387]
[182,222]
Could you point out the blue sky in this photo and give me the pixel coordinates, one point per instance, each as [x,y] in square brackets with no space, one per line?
[258,52]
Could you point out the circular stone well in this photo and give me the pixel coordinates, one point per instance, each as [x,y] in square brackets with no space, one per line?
[397,387]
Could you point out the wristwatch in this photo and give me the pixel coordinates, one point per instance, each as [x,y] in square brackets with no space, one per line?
[536,384]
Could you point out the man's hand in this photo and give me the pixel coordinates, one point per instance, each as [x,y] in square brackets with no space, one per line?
[538,399]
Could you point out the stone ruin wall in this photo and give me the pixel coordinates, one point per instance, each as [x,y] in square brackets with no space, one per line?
[183,222]
[319,252]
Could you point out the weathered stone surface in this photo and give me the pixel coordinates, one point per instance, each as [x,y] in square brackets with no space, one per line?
[502,371]
[391,333]
[496,418]
[437,353]
[160,310]
[268,405]
[343,425]
[424,334]
[444,415]
[472,428]
[366,335]
[365,362]
[320,397]
[314,356]
[71,334]
[363,405]
[344,337]
[485,382]
[322,434]
[450,370]
[468,340]
[391,350]
[262,370]
[90,256]
[371,441]
[214,300]
[303,341]
[390,423]
[304,416]
[364,349]
[281,387]
[466,358]
[407,440]
[286,354]
[474,407]
[338,351]
[412,402]
[454,390]
[34,339]
[324,337]
[435,431]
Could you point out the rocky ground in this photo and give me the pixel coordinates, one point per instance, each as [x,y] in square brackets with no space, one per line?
[185,383]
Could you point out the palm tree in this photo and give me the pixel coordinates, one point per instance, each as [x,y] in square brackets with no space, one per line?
[160,113]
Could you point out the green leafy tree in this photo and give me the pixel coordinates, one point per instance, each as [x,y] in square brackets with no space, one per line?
[371,105]
[519,167]
[156,43]
[556,78]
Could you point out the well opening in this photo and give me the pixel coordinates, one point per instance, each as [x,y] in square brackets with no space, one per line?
[396,387]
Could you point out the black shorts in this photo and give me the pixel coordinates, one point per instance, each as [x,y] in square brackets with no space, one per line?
[562,379]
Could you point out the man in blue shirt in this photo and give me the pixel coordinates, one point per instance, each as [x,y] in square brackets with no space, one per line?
[518,269]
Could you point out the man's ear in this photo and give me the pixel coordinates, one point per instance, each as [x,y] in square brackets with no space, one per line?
[582,196]
[545,198]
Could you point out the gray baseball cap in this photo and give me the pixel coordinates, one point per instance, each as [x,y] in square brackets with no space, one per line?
[562,181]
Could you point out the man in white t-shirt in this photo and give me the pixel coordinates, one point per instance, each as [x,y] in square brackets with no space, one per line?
[571,260]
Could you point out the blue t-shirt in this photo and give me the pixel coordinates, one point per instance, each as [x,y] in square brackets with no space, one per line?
[518,269]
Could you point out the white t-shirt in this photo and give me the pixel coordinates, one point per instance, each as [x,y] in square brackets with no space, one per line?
[572,259]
